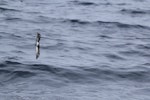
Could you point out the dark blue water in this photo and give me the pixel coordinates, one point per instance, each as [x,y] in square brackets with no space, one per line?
[90,50]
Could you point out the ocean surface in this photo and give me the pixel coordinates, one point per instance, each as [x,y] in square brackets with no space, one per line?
[90,50]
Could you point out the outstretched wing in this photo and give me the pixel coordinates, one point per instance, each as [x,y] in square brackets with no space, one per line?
[37,51]
[38,37]
[38,45]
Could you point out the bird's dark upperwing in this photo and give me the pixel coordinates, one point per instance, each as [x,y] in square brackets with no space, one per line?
[38,45]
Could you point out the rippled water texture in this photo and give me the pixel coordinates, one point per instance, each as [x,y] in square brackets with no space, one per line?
[90,50]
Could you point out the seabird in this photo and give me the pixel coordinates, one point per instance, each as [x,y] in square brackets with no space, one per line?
[38,45]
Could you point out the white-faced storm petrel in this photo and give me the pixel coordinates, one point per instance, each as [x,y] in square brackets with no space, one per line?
[38,45]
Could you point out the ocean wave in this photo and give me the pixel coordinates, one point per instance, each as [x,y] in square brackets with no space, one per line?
[84,3]
[2,9]
[76,21]
[54,47]
[115,74]
[8,62]
[77,74]
[144,47]
[114,56]
[124,25]
[83,73]
[133,53]
[13,19]
[104,23]
[123,4]
[135,11]
[22,74]
[11,70]
[90,3]
[105,36]
[41,20]
[45,68]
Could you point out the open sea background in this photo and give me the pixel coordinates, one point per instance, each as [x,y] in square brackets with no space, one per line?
[90,50]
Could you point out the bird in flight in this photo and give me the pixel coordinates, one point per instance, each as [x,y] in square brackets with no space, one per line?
[38,45]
